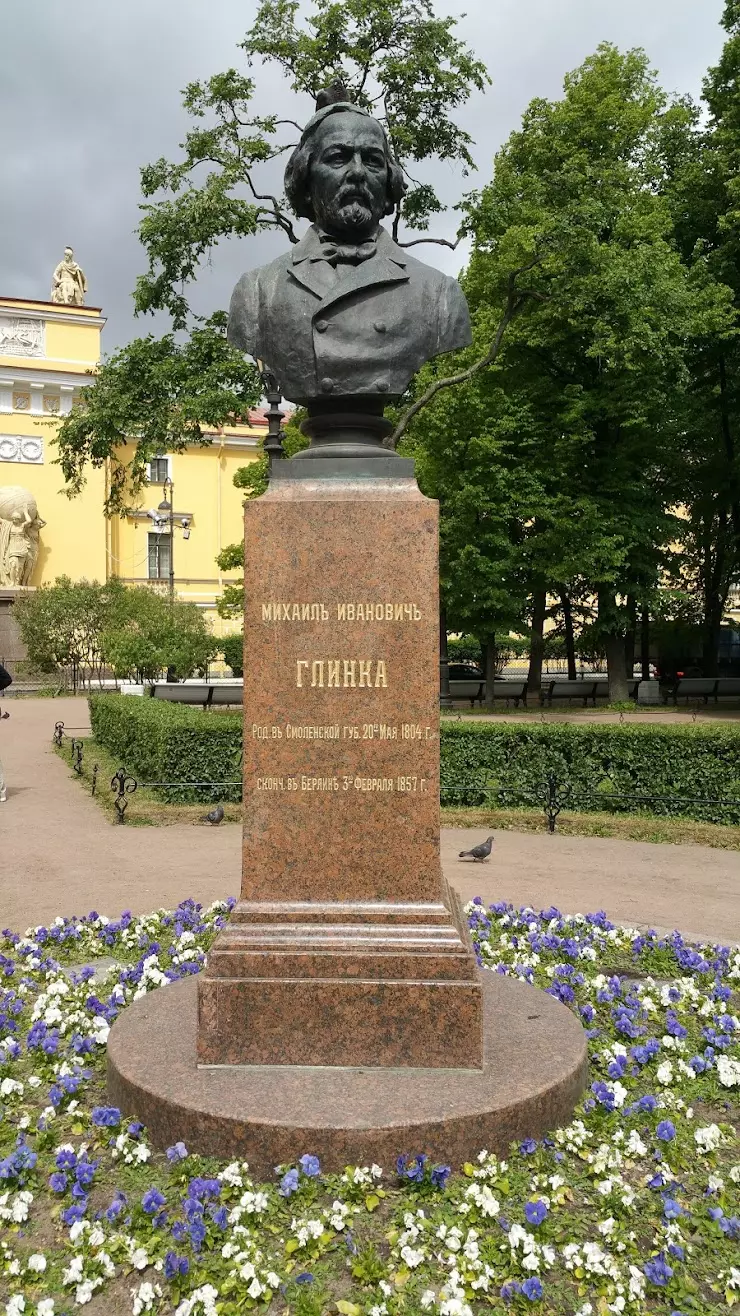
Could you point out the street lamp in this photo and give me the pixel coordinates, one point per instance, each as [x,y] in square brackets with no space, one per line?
[167,506]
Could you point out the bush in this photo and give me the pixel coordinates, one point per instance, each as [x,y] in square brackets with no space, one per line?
[686,764]
[165,742]
[159,742]
[232,648]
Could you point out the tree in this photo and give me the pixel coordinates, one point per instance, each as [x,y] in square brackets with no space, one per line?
[88,627]
[703,162]
[145,634]
[583,410]
[61,626]
[396,58]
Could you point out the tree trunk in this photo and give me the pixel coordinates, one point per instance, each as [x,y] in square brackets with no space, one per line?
[570,641]
[615,647]
[645,643]
[489,656]
[630,638]
[713,613]
[534,676]
[445,699]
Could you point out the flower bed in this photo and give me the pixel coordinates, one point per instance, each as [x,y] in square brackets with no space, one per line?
[633,1208]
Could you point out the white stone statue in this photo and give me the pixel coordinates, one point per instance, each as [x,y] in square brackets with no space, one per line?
[20,524]
[68,284]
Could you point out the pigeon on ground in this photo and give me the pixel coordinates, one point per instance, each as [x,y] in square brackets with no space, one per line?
[214,817]
[479,852]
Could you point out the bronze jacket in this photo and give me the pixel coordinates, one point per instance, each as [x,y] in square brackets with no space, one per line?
[360,330]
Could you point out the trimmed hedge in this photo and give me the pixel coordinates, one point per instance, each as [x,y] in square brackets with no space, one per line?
[681,763]
[159,742]
[482,762]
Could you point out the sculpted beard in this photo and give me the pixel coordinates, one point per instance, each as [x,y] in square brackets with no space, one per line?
[349,211]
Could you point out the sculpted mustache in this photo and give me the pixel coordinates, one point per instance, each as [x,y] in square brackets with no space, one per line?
[349,195]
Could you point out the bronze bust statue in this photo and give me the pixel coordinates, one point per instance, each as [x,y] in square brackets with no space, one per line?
[345,319]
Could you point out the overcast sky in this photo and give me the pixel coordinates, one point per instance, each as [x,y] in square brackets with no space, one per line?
[90,91]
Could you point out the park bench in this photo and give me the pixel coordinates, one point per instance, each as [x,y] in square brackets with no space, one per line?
[474,689]
[584,689]
[702,687]
[602,691]
[206,694]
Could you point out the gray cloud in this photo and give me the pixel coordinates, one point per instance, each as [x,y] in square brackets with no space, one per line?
[90,91]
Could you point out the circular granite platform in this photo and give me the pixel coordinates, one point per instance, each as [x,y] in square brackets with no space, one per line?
[535,1071]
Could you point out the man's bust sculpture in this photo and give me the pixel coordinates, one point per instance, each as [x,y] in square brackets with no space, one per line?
[347,313]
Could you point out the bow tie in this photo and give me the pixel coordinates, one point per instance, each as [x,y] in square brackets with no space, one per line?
[338,254]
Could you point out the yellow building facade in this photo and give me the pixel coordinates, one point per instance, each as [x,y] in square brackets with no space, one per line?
[48,353]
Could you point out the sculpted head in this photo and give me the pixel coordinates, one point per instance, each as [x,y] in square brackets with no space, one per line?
[68,255]
[343,176]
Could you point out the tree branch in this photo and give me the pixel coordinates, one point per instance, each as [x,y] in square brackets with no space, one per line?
[514,302]
[440,242]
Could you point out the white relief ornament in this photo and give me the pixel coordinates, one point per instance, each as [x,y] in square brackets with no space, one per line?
[21,337]
[21,401]
[21,448]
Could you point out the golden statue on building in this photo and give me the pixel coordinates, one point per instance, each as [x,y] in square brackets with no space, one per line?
[68,284]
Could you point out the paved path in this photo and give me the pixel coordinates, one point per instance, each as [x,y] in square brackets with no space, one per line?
[59,854]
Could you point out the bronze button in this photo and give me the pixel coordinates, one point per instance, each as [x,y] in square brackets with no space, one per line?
[380,327]
[322,326]
[327,385]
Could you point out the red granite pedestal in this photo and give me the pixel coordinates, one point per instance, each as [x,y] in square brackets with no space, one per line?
[347,950]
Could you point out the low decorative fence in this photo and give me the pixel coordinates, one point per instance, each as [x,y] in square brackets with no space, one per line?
[553,794]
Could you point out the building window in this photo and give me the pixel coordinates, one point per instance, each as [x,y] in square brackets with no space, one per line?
[159,469]
[159,557]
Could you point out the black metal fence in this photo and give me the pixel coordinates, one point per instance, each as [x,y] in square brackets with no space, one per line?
[552,796]
[123,784]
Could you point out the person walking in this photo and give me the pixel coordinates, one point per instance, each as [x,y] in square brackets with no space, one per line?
[5,680]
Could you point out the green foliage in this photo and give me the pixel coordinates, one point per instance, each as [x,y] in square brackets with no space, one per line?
[232,648]
[692,763]
[146,633]
[160,395]
[158,741]
[166,742]
[88,626]
[554,468]
[61,624]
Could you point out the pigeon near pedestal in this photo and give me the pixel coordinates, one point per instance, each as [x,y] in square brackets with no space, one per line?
[214,817]
[479,852]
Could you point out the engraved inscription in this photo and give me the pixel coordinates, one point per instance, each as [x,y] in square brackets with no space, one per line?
[341,673]
[408,785]
[279,611]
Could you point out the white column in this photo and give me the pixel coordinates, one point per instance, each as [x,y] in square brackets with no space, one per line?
[65,405]
[6,393]
[37,399]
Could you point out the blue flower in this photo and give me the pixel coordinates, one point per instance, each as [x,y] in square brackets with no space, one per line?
[658,1271]
[440,1175]
[177,1153]
[666,1131]
[730,1226]
[510,1289]
[288,1183]
[175,1265]
[106,1117]
[647,1103]
[74,1212]
[311,1166]
[415,1171]
[671,1208]
[305,1277]
[532,1288]
[528,1147]
[152,1201]
[58,1183]
[85,1172]
[535,1212]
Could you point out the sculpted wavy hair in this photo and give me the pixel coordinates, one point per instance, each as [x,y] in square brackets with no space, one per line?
[298,173]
